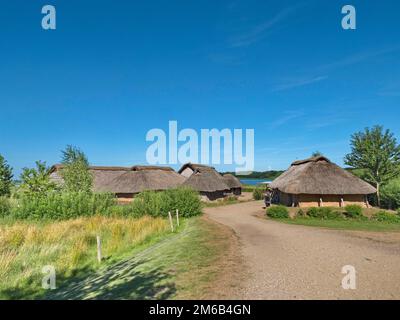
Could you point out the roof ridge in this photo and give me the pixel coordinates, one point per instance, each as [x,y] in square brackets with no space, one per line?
[311,159]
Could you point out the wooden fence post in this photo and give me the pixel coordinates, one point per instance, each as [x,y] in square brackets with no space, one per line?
[98,249]
[170,221]
[177,217]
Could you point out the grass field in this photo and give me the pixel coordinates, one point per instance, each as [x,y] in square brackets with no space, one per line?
[70,246]
[181,266]
[143,258]
[251,188]
[368,225]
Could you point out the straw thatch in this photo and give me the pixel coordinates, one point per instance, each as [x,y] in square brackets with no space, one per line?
[319,176]
[128,180]
[142,168]
[132,182]
[204,178]
[231,181]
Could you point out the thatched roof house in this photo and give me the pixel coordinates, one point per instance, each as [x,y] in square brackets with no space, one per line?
[125,182]
[136,181]
[204,179]
[233,183]
[318,182]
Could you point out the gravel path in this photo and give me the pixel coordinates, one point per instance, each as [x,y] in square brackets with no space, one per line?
[297,262]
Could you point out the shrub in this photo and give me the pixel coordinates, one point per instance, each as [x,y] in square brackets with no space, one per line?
[257,194]
[390,194]
[156,204]
[353,211]
[36,181]
[324,213]
[301,213]
[278,212]
[186,200]
[230,199]
[5,207]
[55,205]
[384,216]
[121,210]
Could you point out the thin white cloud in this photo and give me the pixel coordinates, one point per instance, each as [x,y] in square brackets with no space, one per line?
[391,90]
[261,30]
[300,82]
[355,58]
[287,117]
[347,61]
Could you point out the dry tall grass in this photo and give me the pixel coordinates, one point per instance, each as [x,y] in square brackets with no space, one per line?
[26,247]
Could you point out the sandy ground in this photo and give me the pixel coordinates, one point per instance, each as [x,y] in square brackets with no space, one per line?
[296,262]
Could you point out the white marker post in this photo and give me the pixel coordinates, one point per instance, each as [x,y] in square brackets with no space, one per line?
[170,221]
[177,217]
[98,249]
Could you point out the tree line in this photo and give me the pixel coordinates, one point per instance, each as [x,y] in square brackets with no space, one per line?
[374,157]
[36,181]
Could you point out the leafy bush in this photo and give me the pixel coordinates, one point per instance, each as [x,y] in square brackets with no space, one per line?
[67,205]
[186,200]
[257,194]
[390,194]
[301,213]
[324,213]
[384,216]
[156,204]
[353,211]
[5,207]
[278,212]
[36,181]
[64,205]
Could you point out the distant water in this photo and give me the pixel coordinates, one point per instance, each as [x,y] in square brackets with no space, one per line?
[253,182]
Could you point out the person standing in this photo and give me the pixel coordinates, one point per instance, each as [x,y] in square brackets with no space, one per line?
[268,197]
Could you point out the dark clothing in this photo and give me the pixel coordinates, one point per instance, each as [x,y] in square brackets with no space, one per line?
[267,198]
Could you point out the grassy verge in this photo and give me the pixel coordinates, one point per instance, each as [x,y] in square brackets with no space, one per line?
[368,225]
[182,266]
[251,188]
[224,202]
[70,246]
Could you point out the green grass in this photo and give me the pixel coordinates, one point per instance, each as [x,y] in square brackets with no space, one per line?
[367,225]
[181,266]
[70,246]
[224,202]
[250,188]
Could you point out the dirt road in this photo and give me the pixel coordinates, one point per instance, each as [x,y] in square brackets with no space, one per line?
[297,262]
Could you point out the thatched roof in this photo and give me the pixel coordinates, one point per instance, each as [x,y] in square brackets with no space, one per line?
[57,167]
[128,179]
[138,181]
[318,175]
[232,181]
[204,178]
[142,168]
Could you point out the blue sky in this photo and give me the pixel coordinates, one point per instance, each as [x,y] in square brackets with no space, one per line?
[115,69]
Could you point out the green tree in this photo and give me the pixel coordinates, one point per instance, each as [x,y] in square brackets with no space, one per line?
[76,174]
[376,151]
[72,155]
[37,180]
[6,176]
[390,194]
